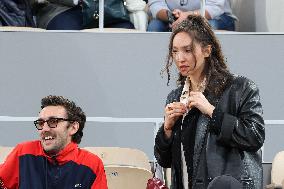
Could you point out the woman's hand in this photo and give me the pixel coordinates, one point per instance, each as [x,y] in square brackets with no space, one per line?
[172,112]
[198,100]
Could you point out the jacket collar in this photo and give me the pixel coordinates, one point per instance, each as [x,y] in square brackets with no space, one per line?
[65,155]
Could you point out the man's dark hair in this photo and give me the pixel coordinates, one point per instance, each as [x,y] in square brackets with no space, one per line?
[74,112]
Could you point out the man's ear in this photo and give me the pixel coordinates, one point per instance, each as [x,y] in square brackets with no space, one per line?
[74,127]
[207,50]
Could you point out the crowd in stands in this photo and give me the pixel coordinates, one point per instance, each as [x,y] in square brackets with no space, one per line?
[160,15]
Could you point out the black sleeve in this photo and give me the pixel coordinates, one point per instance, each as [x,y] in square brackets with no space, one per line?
[162,148]
[244,129]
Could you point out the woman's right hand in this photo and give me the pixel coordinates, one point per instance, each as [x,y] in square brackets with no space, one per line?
[172,112]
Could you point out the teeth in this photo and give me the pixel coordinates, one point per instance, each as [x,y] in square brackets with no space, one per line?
[48,138]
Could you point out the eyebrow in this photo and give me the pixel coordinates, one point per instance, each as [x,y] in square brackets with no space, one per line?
[184,47]
[48,118]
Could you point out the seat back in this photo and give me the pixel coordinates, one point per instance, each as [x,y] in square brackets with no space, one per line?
[4,152]
[127,177]
[277,170]
[121,156]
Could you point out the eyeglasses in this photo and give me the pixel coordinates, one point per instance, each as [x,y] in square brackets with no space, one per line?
[52,122]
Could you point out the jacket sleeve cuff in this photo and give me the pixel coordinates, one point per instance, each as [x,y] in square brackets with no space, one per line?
[216,121]
[163,141]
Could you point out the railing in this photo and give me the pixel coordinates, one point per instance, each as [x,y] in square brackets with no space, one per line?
[202,7]
[101,15]
[156,121]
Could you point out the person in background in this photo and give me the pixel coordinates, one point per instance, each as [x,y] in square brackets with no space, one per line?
[54,161]
[65,15]
[213,122]
[16,13]
[168,13]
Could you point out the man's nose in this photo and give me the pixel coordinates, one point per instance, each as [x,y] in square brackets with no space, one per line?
[45,127]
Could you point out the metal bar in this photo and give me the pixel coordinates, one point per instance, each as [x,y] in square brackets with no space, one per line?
[202,8]
[92,119]
[156,121]
[101,15]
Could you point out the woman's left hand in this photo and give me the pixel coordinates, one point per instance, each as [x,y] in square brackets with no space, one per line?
[198,100]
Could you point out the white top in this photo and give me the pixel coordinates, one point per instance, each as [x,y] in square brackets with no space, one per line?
[214,7]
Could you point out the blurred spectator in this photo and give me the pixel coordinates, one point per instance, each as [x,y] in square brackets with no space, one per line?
[168,13]
[16,13]
[64,15]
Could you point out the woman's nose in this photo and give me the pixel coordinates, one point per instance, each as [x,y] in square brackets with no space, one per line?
[179,56]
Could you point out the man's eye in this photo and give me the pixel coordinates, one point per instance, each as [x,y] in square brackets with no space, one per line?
[40,122]
[52,121]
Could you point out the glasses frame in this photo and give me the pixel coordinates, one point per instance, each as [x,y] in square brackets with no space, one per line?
[57,119]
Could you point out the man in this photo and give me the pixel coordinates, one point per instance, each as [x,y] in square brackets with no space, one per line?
[168,14]
[54,161]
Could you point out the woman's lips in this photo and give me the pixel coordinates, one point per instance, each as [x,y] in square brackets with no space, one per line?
[183,68]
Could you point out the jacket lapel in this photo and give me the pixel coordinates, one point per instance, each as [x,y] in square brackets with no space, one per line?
[200,135]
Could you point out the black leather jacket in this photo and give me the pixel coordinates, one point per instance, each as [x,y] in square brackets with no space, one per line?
[227,144]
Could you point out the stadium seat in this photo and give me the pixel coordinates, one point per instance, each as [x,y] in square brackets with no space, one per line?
[277,171]
[4,152]
[121,156]
[127,177]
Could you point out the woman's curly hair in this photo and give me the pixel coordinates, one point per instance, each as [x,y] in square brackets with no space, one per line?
[200,31]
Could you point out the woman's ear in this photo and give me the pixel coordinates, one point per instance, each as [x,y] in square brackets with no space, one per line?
[207,51]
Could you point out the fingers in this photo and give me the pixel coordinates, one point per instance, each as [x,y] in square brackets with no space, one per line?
[176,12]
[175,109]
[175,106]
[195,99]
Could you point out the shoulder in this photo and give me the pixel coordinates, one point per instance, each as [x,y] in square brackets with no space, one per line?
[29,147]
[243,83]
[90,160]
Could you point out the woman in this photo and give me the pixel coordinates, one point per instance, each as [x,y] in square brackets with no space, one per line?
[168,13]
[213,121]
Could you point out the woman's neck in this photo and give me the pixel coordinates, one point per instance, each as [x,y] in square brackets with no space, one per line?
[197,83]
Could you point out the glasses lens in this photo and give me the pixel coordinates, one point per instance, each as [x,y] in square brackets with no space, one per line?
[52,122]
[39,124]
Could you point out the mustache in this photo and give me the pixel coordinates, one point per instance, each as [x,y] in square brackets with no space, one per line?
[47,133]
